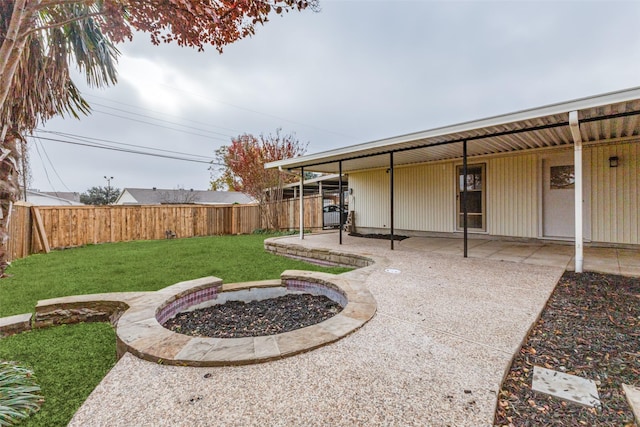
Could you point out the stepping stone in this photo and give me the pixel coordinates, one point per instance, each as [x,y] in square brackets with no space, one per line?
[565,386]
[633,397]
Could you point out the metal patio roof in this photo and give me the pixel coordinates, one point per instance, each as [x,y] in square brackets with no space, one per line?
[611,116]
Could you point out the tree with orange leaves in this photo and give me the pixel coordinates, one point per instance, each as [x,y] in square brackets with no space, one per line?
[40,39]
[242,169]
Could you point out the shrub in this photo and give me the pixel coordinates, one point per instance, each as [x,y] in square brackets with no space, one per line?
[18,394]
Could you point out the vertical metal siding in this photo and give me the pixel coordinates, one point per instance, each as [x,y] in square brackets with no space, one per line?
[425,198]
[512,196]
[370,199]
[425,195]
[614,201]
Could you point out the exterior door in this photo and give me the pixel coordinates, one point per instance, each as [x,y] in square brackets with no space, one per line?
[476,197]
[558,196]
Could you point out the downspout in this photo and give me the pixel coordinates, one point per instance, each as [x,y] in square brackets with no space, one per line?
[574,125]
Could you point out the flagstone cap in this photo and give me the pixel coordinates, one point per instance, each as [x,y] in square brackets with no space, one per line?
[138,318]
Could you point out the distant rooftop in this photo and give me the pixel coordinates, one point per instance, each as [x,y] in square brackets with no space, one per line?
[52,198]
[67,195]
[157,196]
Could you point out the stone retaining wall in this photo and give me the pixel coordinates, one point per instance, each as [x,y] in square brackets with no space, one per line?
[77,312]
[317,256]
[15,324]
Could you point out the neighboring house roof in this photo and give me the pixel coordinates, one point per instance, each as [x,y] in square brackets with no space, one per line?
[47,199]
[157,196]
[612,116]
[68,195]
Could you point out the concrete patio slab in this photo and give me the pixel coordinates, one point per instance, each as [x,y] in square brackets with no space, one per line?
[434,354]
[630,271]
[628,258]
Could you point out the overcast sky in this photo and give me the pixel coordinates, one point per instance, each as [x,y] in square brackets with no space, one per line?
[355,72]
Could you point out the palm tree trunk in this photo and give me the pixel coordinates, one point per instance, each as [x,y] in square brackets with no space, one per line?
[12,47]
[9,188]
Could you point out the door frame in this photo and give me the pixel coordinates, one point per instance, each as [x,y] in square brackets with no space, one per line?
[458,226]
[586,191]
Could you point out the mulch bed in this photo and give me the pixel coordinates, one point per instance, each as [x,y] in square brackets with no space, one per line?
[590,328]
[237,319]
[379,236]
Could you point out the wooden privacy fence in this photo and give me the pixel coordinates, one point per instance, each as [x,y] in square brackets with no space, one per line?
[287,213]
[33,228]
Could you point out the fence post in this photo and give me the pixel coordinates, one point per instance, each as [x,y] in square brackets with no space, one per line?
[40,231]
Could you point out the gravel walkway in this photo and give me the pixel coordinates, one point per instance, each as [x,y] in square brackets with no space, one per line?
[434,354]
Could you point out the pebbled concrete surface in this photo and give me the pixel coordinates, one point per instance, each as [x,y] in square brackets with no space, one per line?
[434,354]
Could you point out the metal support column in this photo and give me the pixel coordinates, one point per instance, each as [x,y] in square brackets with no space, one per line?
[391,193]
[302,203]
[464,195]
[341,200]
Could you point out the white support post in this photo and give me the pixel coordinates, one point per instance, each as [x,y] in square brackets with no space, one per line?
[301,203]
[577,165]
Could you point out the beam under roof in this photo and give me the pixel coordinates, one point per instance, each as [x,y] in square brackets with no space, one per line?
[604,117]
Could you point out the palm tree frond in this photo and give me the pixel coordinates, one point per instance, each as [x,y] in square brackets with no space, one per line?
[19,396]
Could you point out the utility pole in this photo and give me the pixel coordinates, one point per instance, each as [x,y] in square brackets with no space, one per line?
[108,178]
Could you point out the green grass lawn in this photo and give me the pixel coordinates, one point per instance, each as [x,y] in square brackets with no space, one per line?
[139,266]
[69,361]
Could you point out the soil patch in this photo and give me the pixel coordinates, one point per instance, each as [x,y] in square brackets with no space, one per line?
[237,319]
[379,236]
[590,327]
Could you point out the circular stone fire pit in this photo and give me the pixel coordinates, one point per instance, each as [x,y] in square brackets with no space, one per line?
[140,331]
[257,311]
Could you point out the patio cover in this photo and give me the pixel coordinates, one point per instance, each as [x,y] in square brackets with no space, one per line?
[613,116]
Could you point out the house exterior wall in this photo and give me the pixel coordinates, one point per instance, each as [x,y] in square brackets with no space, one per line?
[370,198]
[126,199]
[40,199]
[512,196]
[425,195]
[614,198]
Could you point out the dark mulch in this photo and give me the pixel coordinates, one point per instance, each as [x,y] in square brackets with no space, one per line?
[237,319]
[379,236]
[590,328]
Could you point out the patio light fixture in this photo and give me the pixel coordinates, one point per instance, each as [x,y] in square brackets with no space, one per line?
[613,161]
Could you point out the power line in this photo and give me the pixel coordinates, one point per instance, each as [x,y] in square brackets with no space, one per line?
[44,166]
[161,113]
[88,138]
[160,126]
[260,112]
[53,167]
[155,118]
[249,110]
[123,150]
